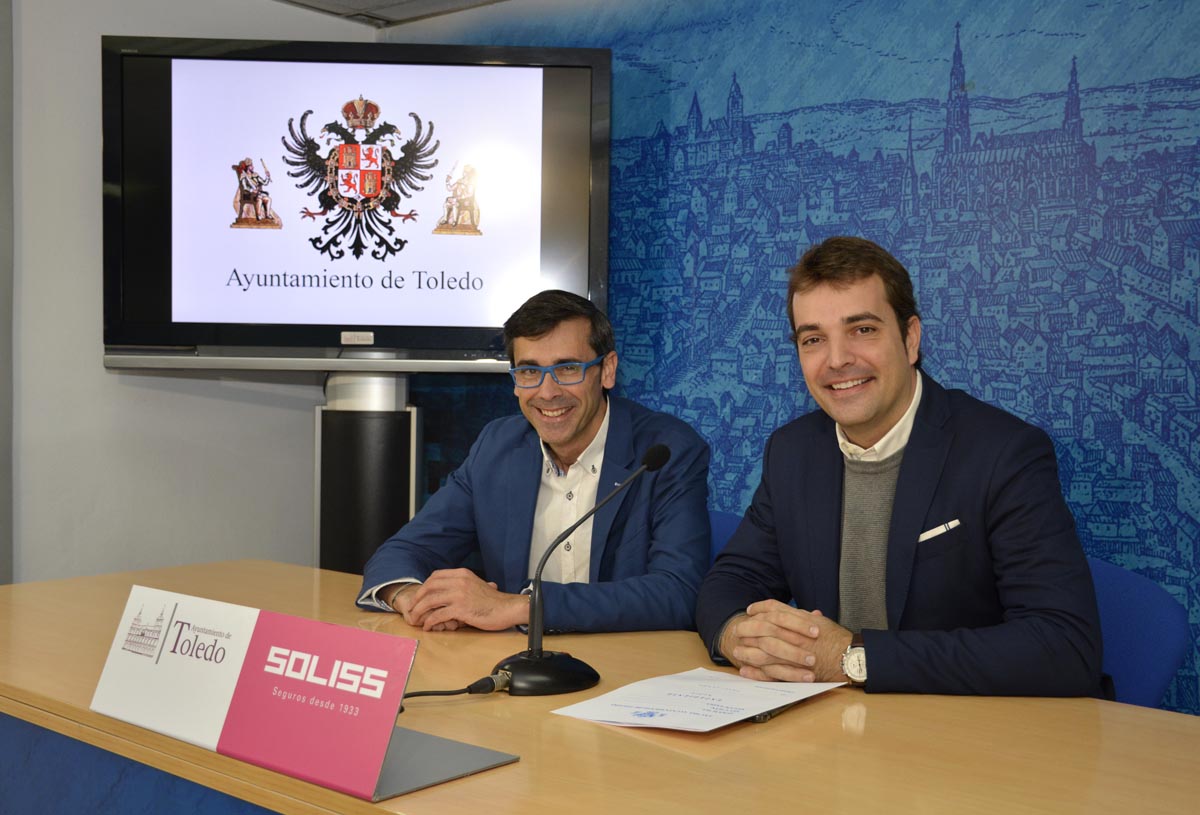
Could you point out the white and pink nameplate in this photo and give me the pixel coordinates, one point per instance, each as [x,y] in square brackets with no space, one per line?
[313,700]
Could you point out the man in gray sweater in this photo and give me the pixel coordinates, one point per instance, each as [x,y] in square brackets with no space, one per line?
[921,533]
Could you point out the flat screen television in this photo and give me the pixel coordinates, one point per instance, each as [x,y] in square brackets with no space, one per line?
[294,200]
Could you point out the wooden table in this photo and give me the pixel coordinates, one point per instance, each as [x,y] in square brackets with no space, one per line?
[845,751]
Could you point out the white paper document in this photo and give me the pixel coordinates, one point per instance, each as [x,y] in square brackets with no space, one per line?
[698,700]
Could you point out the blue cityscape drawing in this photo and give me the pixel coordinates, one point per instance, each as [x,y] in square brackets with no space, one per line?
[1053,235]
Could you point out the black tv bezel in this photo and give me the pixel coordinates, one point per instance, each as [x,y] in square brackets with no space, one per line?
[163,336]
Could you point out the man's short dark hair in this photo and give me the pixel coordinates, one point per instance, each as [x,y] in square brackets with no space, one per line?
[841,261]
[541,314]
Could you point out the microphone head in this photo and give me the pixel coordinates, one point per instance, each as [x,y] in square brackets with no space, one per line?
[656,457]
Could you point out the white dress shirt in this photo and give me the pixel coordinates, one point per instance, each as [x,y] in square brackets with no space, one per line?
[563,497]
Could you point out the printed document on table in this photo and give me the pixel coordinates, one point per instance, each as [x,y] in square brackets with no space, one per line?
[699,700]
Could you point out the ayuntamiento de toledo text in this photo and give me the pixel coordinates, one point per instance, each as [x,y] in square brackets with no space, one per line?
[417,279]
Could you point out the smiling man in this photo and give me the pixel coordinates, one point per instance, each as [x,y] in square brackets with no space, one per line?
[635,565]
[921,533]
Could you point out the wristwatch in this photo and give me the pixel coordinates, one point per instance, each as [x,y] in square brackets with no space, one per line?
[854,661]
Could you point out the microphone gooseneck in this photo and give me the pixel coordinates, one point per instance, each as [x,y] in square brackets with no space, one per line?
[535,672]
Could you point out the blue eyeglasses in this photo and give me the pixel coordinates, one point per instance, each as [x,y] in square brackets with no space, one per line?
[564,373]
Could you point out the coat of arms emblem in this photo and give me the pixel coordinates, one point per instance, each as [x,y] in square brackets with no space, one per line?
[359,182]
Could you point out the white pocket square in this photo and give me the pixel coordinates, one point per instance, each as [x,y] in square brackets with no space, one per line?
[940,529]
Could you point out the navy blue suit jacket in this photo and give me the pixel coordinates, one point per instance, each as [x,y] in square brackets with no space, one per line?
[1001,604]
[649,545]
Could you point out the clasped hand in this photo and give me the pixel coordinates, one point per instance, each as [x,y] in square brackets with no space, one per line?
[773,640]
[453,598]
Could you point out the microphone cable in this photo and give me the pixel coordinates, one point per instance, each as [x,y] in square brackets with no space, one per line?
[489,684]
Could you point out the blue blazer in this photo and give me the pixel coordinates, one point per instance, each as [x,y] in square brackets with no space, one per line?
[649,545]
[1001,604]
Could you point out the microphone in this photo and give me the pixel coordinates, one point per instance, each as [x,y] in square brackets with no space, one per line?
[535,672]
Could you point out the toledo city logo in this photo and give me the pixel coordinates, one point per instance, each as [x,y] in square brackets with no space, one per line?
[359,182]
[142,638]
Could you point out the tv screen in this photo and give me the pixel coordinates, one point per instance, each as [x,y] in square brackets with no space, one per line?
[304,198]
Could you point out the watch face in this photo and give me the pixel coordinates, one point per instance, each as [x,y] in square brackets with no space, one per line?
[855,664]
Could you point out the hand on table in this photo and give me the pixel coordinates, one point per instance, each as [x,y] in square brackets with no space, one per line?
[452,598]
[772,640]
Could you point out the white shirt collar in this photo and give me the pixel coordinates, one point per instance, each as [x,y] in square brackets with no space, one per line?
[892,442]
[591,458]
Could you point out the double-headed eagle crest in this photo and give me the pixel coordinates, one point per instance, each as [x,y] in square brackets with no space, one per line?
[359,182]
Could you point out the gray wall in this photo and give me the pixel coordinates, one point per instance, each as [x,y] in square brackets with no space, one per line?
[114,471]
[6,282]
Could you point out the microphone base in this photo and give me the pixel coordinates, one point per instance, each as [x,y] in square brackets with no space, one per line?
[551,673]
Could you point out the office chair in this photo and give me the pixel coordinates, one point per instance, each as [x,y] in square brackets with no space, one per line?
[1145,632]
[723,526]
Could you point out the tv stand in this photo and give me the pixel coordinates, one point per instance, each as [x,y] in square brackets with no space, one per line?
[368,466]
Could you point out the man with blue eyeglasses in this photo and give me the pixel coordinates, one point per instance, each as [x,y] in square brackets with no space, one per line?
[635,565]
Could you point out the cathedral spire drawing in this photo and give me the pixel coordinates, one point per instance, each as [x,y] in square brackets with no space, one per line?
[1072,117]
[695,122]
[733,108]
[911,193]
[958,114]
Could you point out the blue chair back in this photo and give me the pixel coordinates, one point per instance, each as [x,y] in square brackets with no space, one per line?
[723,526]
[1145,633]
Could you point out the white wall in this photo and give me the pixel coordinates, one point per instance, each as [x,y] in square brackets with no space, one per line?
[116,471]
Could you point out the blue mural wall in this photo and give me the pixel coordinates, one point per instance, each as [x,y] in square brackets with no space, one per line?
[1035,165]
